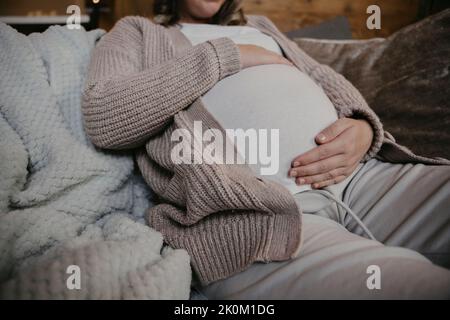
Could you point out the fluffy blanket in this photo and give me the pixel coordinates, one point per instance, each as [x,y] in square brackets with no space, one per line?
[69,211]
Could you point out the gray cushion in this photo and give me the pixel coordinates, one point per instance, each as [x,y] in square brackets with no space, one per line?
[405,79]
[337,28]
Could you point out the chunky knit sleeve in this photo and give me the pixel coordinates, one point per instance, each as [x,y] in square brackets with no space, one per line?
[347,100]
[124,103]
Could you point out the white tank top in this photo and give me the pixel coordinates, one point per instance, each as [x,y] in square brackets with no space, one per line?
[267,97]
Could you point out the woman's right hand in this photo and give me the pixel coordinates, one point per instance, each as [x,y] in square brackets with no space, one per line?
[252,55]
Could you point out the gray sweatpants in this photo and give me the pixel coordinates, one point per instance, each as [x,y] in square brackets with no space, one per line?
[407,209]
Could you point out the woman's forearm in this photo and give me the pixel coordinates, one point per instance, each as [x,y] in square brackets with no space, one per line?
[123,105]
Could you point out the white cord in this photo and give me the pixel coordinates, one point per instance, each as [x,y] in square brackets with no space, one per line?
[346,208]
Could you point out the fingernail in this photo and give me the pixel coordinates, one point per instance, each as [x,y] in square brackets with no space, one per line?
[296,164]
[321,137]
[293,173]
[315,185]
[301,181]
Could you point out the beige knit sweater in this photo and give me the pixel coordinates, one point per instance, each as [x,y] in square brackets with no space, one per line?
[144,82]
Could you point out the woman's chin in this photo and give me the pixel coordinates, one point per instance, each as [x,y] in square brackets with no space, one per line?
[208,10]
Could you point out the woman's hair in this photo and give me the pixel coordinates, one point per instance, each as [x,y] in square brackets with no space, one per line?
[167,13]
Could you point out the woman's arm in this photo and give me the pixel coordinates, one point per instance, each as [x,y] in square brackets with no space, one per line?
[347,100]
[125,103]
[357,135]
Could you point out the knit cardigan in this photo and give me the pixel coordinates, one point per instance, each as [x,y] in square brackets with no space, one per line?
[144,82]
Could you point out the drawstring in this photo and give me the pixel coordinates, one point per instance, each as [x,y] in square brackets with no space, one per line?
[331,197]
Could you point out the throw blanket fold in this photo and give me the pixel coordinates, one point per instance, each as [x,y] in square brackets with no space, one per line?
[62,201]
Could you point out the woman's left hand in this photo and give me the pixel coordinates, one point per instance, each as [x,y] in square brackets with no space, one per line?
[341,146]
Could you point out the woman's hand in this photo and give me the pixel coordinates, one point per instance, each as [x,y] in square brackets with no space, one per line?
[342,145]
[252,55]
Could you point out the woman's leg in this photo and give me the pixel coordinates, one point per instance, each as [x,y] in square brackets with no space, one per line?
[403,205]
[333,264]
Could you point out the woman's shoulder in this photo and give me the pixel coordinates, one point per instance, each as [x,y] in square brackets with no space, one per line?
[261,21]
[128,31]
[134,22]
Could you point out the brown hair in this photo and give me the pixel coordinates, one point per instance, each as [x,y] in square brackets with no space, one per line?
[167,13]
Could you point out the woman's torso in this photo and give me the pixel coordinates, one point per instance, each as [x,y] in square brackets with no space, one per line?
[267,97]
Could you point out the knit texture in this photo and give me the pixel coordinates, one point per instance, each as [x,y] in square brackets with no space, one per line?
[145,81]
[64,202]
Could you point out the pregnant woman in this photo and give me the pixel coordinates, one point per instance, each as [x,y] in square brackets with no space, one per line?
[349,214]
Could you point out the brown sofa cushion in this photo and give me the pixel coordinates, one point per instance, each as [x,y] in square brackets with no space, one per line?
[405,79]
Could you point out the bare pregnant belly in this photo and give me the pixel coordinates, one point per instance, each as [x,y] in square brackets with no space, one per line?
[273,97]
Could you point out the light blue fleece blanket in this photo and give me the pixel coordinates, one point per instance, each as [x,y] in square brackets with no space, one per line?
[62,201]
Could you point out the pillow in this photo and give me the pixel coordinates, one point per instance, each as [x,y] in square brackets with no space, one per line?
[405,78]
[337,28]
